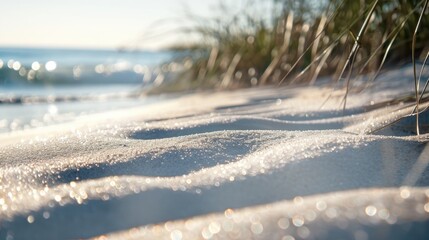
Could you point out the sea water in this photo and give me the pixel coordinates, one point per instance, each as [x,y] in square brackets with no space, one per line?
[39,87]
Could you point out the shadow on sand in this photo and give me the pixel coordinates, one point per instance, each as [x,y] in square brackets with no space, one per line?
[330,172]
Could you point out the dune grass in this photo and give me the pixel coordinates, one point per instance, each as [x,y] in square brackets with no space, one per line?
[296,42]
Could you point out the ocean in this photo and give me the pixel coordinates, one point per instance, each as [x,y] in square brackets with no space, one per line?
[39,87]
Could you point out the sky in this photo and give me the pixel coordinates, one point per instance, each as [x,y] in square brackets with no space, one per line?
[107,24]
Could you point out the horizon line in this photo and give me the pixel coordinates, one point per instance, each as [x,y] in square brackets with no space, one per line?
[65,47]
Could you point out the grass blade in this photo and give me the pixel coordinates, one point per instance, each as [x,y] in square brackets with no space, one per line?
[352,56]
[413,56]
[283,49]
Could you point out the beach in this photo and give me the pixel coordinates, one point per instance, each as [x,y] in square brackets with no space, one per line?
[256,163]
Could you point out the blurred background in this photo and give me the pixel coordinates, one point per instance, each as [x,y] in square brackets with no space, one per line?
[63,59]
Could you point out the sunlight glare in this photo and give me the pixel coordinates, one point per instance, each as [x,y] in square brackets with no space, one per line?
[10,63]
[50,66]
[35,66]
[16,66]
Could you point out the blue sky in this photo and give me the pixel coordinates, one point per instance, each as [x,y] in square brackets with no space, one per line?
[95,23]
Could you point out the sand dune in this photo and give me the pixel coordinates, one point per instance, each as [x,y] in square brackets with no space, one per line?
[263,164]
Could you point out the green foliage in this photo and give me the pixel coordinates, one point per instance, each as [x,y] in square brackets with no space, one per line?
[296,41]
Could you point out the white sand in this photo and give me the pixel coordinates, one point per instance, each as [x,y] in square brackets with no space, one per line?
[267,163]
